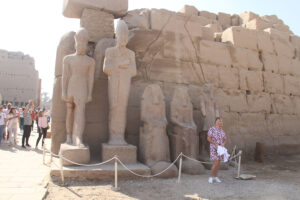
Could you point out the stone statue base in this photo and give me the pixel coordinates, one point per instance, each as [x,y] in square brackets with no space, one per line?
[192,167]
[162,165]
[126,153]
[76,154]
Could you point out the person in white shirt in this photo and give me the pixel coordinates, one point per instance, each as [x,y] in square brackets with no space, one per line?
[2,122]
[43,125]
[12,126]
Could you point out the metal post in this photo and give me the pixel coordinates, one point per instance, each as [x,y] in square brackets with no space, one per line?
[180,167]
[61,170]
[239,166]
[44,154]
[116,173]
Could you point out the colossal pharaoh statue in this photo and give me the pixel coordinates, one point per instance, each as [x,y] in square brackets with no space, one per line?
[120,67]
[77,87]
[154,142]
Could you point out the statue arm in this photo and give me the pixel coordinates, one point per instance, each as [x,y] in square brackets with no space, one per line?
[108,63]
[65,78]
[91,80]
[217,110]
[133,70]
[203,110]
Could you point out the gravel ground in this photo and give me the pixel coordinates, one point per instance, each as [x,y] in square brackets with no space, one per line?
[277,178]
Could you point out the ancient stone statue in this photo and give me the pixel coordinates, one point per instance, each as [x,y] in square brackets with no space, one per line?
[120,67]
[77,87]
[154,142]
[209,111]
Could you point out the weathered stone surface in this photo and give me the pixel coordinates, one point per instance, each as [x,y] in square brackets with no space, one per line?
[240,37]
[58,135]
[189,10]
[126,153]
[75,154]
[235,20]
[252,124]
[231,100]
[245,58]
[224,19]
[247,17]
[211,73]
[285,66]
[214,53]
[296,101]
[257,24]
[295,68]
[251,80]
[282,104]
[65,47]
[215,28]
[264,43]
[295,40]
[161,166]
[270,63]
[207,32]
[74,8]
[228,77]
[282,27]
[192,167]
[273,83]
[138,19]
[99,24]
[208,15]
[260,103]
[291,85]
[59,108]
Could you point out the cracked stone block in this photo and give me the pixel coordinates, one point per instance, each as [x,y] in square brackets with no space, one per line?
[270,63]
[282,104]
[245,58]
[224,19]
[208,15]
[99,24]
[74,8]
[251,80]
[296,68]
[258,24]
[292,85]
[214,53]
[247,17]
[259,103]
[189,10]
[231,100]
[211,73]
[240,37]
[295,40]
[264,42]
[284,65]
[235,20]
[273,83]
[228,77]
[138,19]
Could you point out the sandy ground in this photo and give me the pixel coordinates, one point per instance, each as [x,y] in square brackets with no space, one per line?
[276,179]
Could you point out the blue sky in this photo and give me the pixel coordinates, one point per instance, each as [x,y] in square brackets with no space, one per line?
[36,26]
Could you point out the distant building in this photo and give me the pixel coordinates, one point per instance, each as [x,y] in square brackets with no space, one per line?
[19,80]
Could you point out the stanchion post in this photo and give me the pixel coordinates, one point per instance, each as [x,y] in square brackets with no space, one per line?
[116,173]
[180,167]
[239,166]
[61,170]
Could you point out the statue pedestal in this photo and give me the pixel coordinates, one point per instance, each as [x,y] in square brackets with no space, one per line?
[76,154]
[126,153]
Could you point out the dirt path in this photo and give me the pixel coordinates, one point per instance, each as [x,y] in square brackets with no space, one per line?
[276,179]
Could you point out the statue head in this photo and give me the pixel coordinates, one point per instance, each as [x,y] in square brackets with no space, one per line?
[81,39]
[122,33]
[209,89]
[181,96]
[153,94]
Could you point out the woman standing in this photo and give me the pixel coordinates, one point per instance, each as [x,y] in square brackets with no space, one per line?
[12,127]
[2,122]
[43,127]
[27,123]
[216,137]
[21,110]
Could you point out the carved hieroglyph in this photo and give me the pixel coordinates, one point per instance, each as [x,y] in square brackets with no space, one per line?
[77,87]
[183,125]
[120,67]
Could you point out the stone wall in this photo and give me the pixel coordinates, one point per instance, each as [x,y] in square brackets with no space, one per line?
[19,81]
[253,61]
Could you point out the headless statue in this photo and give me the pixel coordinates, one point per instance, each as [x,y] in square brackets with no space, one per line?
[120,67]
[77,87]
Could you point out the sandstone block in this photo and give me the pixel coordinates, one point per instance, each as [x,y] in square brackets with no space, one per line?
[211,73]
[189,10]
[296,68]
[218,37]
[99,24]
[224,19]
[257,24]
[296,101]
[235,20]
[283,125]
[278,35]
[259,103]
[228,78]
[273,83]
[161,166]
[270,63]
[253,124]
[240,37]
[246,58]
[251,80]
[74,8]
[208,15]
[59,107]
[127,153]
[272,19]
[58,135]
[207,33]
[282,104]
[138,19]
[295,40]
[193,168]
[285,65]
[284,49]
[247,17]
[264,42]
[282,27]
[231,100]
[291,85]
[214,53]
[65,47]
[80,155]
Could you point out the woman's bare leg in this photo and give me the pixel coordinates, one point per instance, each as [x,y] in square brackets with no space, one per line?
[215,168]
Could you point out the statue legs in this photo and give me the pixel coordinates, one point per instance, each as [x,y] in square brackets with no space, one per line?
[69,122]
[79,124]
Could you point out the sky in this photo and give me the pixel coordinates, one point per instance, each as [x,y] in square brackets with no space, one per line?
[35,27]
